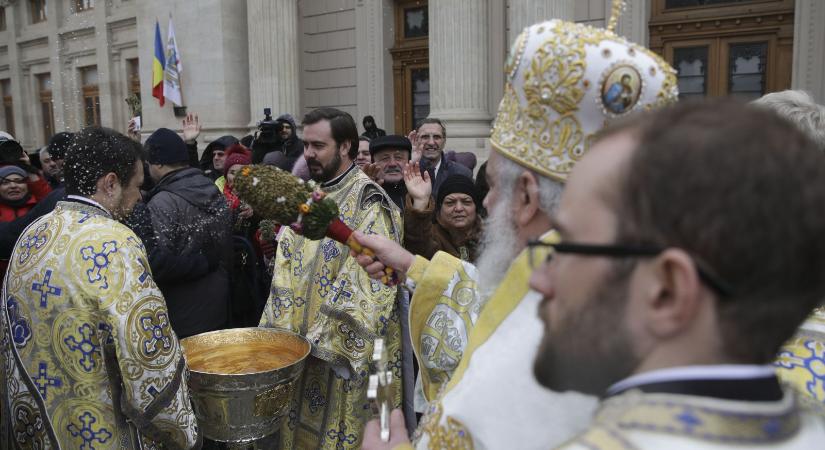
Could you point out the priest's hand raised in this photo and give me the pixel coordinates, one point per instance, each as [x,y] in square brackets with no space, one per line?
[388,253]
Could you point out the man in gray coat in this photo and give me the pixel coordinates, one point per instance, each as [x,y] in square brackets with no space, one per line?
[190,248]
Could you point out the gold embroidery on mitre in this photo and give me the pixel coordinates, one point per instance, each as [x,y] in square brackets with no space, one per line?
[453,435]
[543,121]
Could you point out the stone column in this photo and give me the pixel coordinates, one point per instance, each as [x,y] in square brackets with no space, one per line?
[459,75]
[523,13]
[374,26]
[809,46]
[105,79]
[273,58]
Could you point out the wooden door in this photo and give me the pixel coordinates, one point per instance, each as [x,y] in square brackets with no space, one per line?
[741,48]
[411,64]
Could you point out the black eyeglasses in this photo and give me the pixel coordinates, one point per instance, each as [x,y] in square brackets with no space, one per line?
[707,275]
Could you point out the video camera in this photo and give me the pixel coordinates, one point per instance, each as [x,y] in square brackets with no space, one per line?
[269,130]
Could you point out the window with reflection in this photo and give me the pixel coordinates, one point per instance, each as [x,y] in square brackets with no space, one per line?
[691,65]
[37,8]
[83,5]
[746,74]
[688,3]
[420,95]
[416,23]
[44,90]
[8,105]
[91,96]
[2,18]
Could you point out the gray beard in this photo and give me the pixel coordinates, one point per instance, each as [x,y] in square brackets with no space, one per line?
[499,248]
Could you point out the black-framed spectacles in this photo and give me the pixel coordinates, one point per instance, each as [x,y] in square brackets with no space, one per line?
[707,275]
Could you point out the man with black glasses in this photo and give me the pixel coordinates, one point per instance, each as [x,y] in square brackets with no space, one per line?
[474,327]
[672,288]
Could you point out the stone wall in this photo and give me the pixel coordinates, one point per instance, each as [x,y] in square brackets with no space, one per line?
[327,40]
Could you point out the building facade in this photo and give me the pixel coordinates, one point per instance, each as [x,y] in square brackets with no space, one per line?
[65,64]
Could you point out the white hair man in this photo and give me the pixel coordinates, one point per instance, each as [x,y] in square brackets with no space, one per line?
[475,343]
[799,108]
[798,363]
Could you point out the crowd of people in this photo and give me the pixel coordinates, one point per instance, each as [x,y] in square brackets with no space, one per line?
[671,251]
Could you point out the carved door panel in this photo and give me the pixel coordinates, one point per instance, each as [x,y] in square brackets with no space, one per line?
[411,68]
[732,47]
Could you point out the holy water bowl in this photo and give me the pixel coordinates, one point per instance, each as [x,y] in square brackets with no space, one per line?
[241,380]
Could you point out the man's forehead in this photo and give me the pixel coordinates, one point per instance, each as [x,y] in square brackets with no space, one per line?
[320,129]
[430,128]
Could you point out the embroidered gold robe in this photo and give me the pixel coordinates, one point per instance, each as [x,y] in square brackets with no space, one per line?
[801,361]
[476,359]
[637,421]
[320,292]
[91,361]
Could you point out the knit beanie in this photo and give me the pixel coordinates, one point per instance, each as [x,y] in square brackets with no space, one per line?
[12,170]
[164,146]
[237,154]
[457,184]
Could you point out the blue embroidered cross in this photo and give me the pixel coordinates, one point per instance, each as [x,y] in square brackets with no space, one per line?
[155,325]
[46,289]
[44,381]
[85,345]
[87,433]
[330,250]
[324,282]
[340,436]
[33,241]
[315,397]
[100,261]
[339,291]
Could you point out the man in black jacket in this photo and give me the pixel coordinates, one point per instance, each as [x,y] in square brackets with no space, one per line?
[190,248]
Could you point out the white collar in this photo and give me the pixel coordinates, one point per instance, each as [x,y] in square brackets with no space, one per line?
[714,372]
[437,166]
[90,201]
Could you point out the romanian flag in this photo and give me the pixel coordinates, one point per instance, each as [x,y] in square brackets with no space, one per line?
[158,66]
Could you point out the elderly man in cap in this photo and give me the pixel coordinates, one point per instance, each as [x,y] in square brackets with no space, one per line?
[475,343]
[389,155]
[191,245]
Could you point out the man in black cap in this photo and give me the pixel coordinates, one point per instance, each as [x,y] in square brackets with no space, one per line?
[190,246]
[390,154]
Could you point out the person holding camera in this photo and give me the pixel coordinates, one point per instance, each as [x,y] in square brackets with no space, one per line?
[277,143]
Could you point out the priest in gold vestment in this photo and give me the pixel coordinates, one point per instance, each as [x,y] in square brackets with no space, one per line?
[320,292]
[474,329]
[90,358]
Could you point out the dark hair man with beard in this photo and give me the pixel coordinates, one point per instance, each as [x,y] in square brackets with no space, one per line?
[320,292]
[673,287]
[89,352]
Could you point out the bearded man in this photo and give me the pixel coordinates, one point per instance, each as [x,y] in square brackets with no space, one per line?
[320,292]
[698,304]
[475,342]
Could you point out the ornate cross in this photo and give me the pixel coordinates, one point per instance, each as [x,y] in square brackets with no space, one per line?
[379,390]
[87,433]
[45,289]
[44,381]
